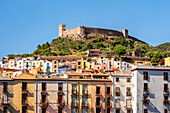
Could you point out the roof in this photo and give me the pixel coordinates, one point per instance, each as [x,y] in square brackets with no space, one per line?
[156,68]
[27,76]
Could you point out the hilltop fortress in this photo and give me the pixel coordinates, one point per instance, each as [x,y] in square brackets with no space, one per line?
[86,33]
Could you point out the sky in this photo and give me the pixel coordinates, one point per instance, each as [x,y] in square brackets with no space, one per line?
[26,23]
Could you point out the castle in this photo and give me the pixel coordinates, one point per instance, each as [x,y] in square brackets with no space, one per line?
[85,33]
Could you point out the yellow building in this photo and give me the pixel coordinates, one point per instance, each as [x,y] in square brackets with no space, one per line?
[142,62]
[86,63]
[167,61]
[24,93]
[79,96]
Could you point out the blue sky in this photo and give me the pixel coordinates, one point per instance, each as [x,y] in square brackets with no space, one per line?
[26,23]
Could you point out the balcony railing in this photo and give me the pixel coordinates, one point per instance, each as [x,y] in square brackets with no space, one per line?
[74,104]
[61,104]
[129,107]
[146,89]
[98,104]
[108,104]
[44,92]
[166,102]
[74,92]
[117,106]
[85,93]
[117,94]
[166,90]
[44,104]
[146,101]
[85,104]
[24,102]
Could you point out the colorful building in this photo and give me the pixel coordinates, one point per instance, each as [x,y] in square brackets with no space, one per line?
[24,93]
[167,61]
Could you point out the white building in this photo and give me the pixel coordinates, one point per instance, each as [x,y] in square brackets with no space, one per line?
[151,92]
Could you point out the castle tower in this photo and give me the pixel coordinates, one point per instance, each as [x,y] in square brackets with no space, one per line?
[62,27]
[125,33]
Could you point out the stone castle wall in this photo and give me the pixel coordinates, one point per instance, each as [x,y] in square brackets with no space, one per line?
[83,33]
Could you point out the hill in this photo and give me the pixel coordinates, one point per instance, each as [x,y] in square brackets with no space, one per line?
[164,47]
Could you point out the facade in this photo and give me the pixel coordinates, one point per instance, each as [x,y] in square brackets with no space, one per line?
[24,91]
[167,61]
[51,96]
[151,89]
[6,93]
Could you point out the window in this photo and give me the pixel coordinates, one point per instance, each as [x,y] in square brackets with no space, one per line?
[84,63]
[5,86]
[55,66]
[79,67]
[108,90]
[55,62]
[90,66]
[84,58]
[165,111]
[84,89]
[43,86]
[128,91]
[145,110]
[84,101]
[60,87]
[43,110]
[60,98]
[74,101]
[97,90]
[145,86]
[24,98]
[145,75]
[60,110]
[108,110]
[4,109]
[73,110]
[117,79]
[165,75]
[74,89]
[5,99]
[84,110]
[129,111]
[24,86]
[24,109]
[43,98]
[84,67]
[128,103]
[124,63]
[117,91]
[128,79]
[98,101]
[79,63]
[165,87]
[108,101]
[98,110]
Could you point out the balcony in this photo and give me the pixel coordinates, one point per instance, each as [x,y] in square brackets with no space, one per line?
[146,101]
[60,93]
[85,93]
[61,104]
[41,66]
[117,94]
[109,104]
[98,105]
[74,104]
[24,90]
[146,89]
[166,102]
[44,92]
[117,106]
[44,104]
[129,107]
[166,91]
[85,104]
[24,102]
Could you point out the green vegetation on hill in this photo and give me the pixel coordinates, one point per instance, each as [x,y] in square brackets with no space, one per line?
[119,45]
[164,47]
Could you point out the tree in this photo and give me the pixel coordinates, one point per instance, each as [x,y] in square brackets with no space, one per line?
[157,56]
[120,51]
[39,46]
